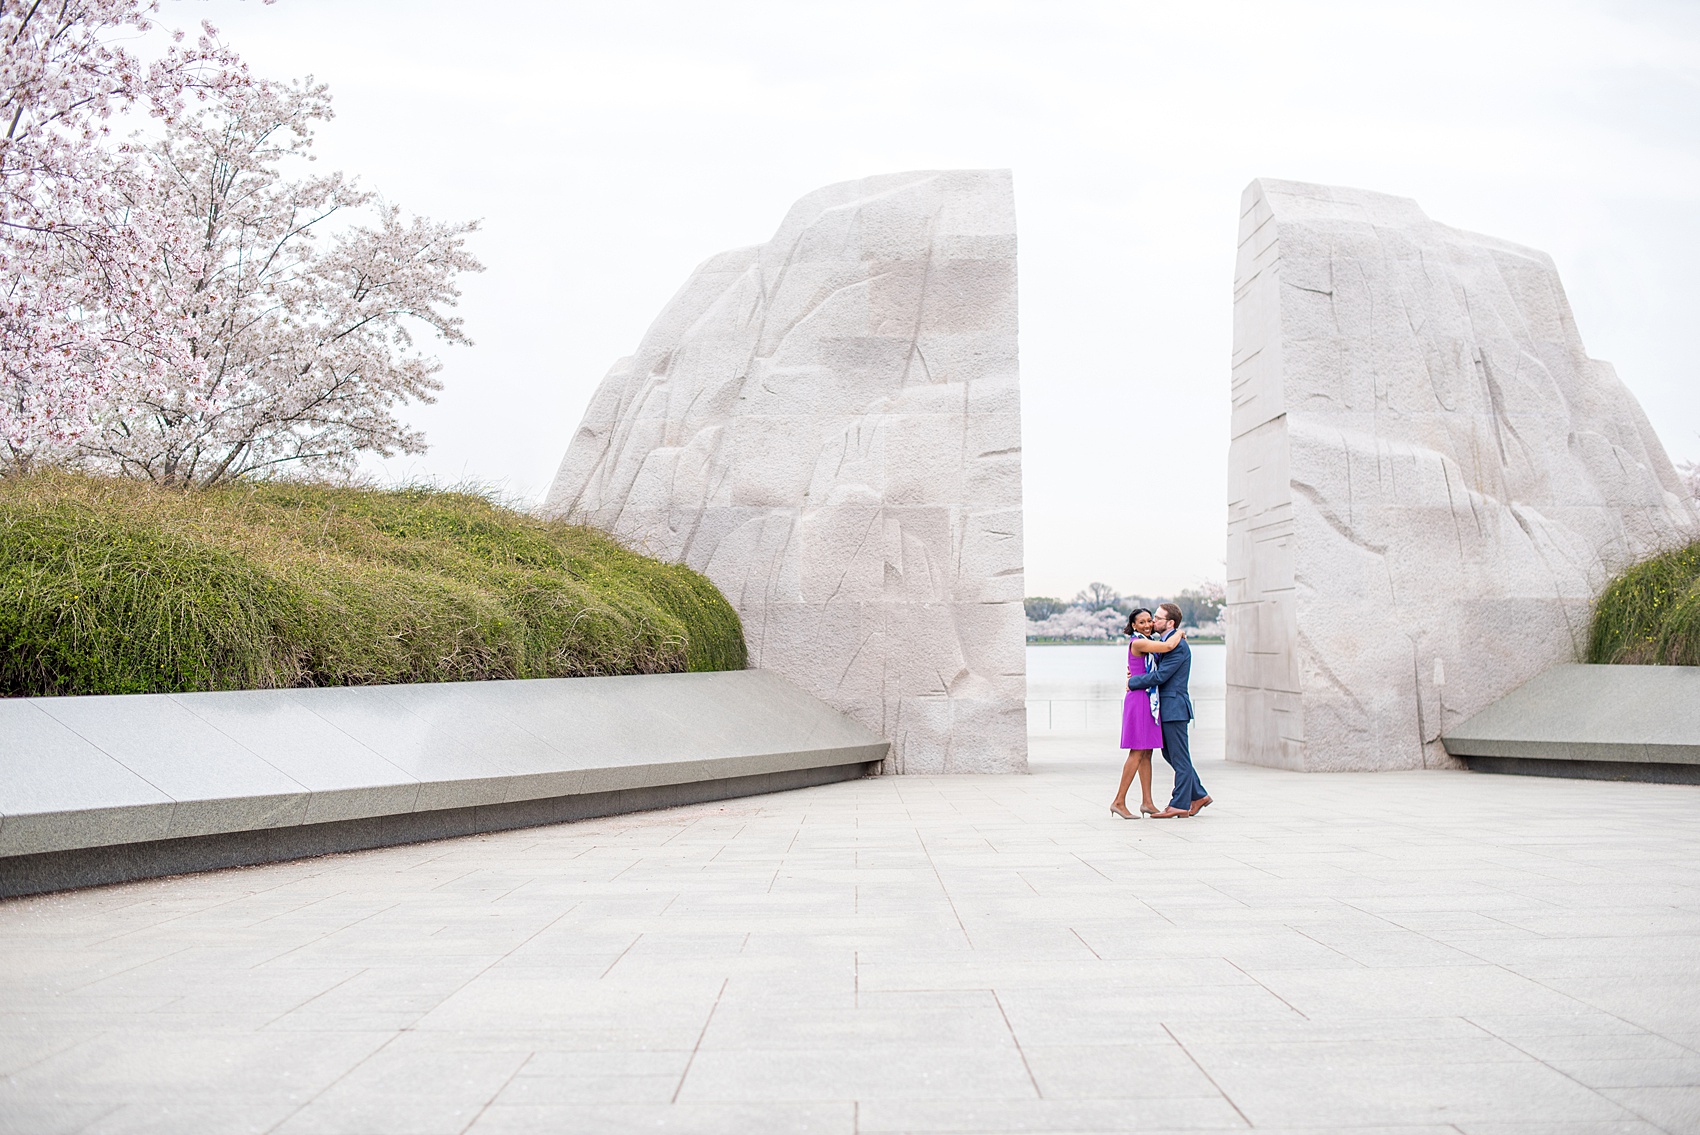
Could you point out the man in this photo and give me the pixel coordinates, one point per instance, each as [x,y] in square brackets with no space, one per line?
[1170,678]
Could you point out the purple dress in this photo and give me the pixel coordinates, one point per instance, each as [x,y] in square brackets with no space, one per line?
[1140,730]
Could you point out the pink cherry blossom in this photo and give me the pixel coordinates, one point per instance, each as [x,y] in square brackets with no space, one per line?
[79,319]
[301,300]
[176,305]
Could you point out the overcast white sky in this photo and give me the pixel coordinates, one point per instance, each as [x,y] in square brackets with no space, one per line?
[610,147]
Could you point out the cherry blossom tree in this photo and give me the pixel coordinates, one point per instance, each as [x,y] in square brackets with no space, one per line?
[80,313]
[1101,624]
[302,295]
[176,304]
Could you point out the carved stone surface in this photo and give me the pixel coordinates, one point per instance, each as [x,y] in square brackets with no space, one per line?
[828,425]
[1429,479]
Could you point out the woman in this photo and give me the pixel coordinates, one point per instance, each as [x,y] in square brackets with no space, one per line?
[1141,731]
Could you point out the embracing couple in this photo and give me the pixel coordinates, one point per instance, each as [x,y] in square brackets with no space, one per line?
[1157,712]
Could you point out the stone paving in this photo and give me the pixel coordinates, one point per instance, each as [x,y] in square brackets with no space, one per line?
[1390,952]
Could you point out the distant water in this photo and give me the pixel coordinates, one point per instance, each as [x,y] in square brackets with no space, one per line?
[1079,689]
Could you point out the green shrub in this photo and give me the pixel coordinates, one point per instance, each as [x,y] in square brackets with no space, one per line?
[1650,615]
[116,586]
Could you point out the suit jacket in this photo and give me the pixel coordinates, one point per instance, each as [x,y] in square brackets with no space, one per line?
[1170,678]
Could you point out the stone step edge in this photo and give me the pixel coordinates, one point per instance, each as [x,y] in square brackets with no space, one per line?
[44,872]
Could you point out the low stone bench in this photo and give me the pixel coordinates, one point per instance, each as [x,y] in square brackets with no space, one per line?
[104,789]
[1601,722]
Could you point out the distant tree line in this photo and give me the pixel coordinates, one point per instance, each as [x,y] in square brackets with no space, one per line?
[1100,611]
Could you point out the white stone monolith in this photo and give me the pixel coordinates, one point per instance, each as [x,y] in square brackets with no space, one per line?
[1429,479]
[829,426]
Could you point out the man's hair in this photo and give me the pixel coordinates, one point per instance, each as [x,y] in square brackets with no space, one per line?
[1170,612]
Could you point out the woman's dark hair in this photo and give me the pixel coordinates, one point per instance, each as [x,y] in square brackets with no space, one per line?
[1132,615]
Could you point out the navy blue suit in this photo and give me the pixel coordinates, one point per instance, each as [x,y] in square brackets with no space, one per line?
[1175,705]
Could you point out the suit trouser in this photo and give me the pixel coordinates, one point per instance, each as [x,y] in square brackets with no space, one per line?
[1179,755]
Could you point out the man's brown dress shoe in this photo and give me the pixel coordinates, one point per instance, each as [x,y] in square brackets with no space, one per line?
[1199,805]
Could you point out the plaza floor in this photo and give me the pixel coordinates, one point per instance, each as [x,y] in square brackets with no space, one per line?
[1397,952]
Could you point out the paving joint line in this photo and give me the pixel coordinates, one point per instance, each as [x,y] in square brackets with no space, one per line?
[1015,1040]
[1266,989]
[403,1031]
[512,1076]
[619,956]
[695,1048]
[1205,1073]
[315,997]
[925,850]
[1088,945]
[1554,1068]
[327,934]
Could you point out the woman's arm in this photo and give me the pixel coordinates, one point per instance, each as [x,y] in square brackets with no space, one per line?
[1152,646]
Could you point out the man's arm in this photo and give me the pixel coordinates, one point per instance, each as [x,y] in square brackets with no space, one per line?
[1156,646]
[1167,664]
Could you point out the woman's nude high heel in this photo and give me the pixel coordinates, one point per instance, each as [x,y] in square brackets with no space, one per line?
[1119,810]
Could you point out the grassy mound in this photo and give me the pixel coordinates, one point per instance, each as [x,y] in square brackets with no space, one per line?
[114,586]
[1650,615]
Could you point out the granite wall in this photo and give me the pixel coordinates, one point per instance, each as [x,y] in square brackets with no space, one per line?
[1429,479]
[828,425]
